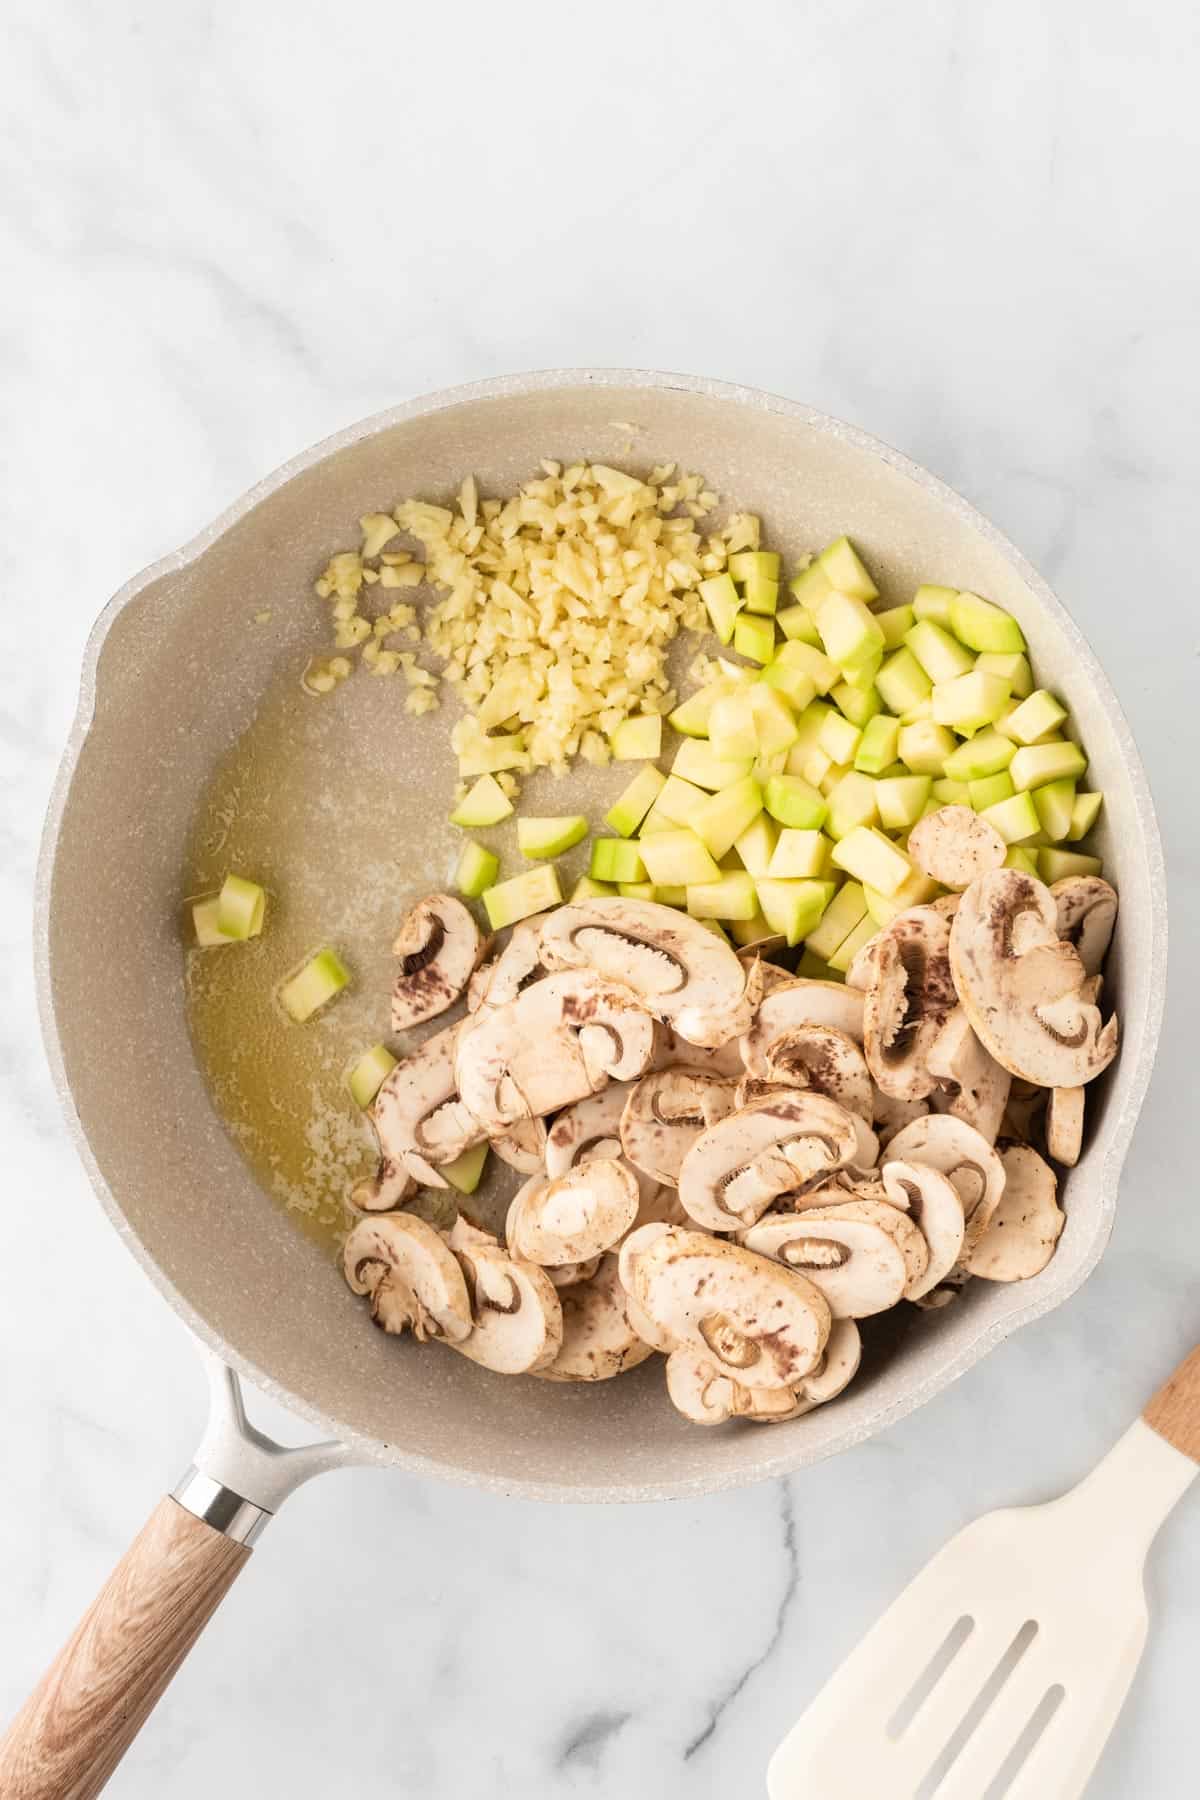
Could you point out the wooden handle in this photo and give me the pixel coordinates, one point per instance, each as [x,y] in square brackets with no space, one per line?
[1174,1411]
[92,1702]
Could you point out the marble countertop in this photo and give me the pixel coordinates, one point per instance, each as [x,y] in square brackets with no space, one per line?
[228,231]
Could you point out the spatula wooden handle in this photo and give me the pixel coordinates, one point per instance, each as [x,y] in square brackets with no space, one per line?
[92,1702]
[1174,1411]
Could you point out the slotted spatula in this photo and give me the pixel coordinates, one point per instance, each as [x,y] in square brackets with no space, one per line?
[1001,1669]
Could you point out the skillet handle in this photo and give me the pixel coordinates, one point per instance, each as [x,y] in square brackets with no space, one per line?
[94,1699]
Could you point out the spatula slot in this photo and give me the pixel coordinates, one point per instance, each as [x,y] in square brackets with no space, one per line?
[929,1677]
[1027,1743]
[973,1718]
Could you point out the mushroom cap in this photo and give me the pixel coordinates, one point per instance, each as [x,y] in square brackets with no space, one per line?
[971,1084]
[411,1275]
[801,1002]
[907,1002]
[599,1339]
[1064,1125]
[858,1266]
[740,1165]
[1020,983]
[1027,1224]
[824,1060]
[418,1113]
[684,974]
[559,1040]
[935,1208]
[959,1152]
[518,1321]
[955,846]
[439,945]
[591,1128]
[574,1217]
[522,1146]
[759,1322]
[1086,909]
[664,1114]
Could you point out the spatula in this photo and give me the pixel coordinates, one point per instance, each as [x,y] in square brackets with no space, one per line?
[1001,1669]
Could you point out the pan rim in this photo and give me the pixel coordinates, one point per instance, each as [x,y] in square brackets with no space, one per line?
[364,1447]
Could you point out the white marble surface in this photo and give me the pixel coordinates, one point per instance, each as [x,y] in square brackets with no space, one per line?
[225,232]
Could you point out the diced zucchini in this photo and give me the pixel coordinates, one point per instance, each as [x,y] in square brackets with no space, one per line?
[540,839]
[895,623]
[1055,802]
[731,897]
[744,565]
[850,946]
[985,754]
[1056,865]
[533,892]
[933,602]
[924,747]
[672,896]
[763,767]
[731,727]
[982,626]
[477,869]
[900,799]
[810,587]
[749,931]
[859,705]
[485,803]
[637,890]
[1036,764]
[697,762]
[839,738]
[369,1073]
[587,889]
[939,654]
[799,855]
[1013,666]
[846,910]
[635,801]
[861,676]
[806,659]
[849,633]
[1084,814]
[1015,818]
[793,908]
[241,907]
[902,681]
[852,802]
[322,977]
[878,745]
[1025,860]
[479,754]
[846,570]
[795,803]
[872,859]
[951,793]
[915,890]
[466,1171]
[722,603]
[638,739]
[970,702]
[656,821]
[679,801]
[616,860]
[204,922]
[798,625]
[756,845]
[989,789]
[677,858]
[815,968]
[1035,719]
[832,776]
[723,817]
[760,594]
[754,637]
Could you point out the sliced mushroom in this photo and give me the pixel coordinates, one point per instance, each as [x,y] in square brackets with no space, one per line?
[958,1151]
[1025,1115]
[856,1263]
[411,1275]
[770,974]
[518,1320]
[860,974]
[946,904]
[599,1338]
[522,1146]
[420,1118]
[568,1275]
[684,974]
[1020,983]
[955,846]
[826,1061]
[576,1216]
[890,1115]
[664,1114]
[562,1038]
[765,1325]
[477,986]
[971,1084]
[439,945]
[1027,1224]
[740,1166]
[836,1369]
[932,1203]
[909,999]
[789,1009]
[1064,1125]
[673,1052]
[1086,911]
[508,974]
[706,1395]
[592,1128]
[388,1190]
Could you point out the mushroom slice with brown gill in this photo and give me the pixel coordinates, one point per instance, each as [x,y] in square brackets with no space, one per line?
[439,945]
[592,1128]
[1086,910]
[519,963]
[909,1238]
[1064,1125]
[858,1266]
[861,972]
[673,1052]
[517,1321]
[419,1116]
[738,1167]
[1021,984]
[832,1375]
[1027,1224]
[955,846]
[599,1338]
[789,1009]
[959,1152]
[389,1189]
[576,1216]
[909,999]
[684,974]
[664,1114]
[770,974]
[412,1277]
[761,1323]
[931,1201]
[970,1083]
[522,1146]
[562,1038]
[707,1395]
[825,1061]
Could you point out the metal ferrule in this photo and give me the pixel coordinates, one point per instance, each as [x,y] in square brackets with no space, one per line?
[220,1508]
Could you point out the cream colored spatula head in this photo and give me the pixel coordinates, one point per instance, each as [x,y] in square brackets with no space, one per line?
[1000,1671]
